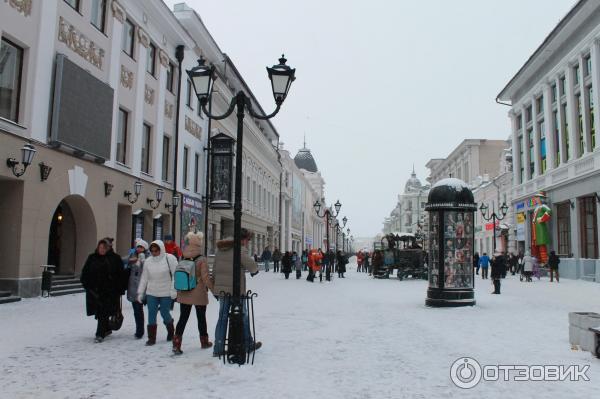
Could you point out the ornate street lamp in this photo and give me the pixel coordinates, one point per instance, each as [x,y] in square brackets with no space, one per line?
[156,202]
[221,171]
[27,153]
[493,217]
[137,189]
[329,216]
[203,78]
[174,204]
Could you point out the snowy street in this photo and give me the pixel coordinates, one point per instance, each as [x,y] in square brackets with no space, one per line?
[352,338]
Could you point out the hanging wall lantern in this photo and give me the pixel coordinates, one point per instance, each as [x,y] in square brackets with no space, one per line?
[221,180]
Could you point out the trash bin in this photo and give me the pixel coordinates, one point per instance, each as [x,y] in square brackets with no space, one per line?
[451,235]
[47,280]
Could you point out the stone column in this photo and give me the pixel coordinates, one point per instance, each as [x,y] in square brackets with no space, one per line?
[537,161]
[114,71]
[595,54]
[584,101]
[571,116]
[562,141]
[159,128]
[549,123]
[574,219]
[138,110]
[526,151]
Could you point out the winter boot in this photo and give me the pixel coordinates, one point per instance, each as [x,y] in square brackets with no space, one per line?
[177,344]
[255,346]
[170,331]
[204,342]
[151,335]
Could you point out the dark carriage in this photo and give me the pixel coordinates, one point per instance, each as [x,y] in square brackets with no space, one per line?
[402,252]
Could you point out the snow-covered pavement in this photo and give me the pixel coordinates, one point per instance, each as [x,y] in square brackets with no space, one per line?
[353,338]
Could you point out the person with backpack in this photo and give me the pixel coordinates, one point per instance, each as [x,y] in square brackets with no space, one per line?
[286,263]
[223,289]
[193,267]
[136,266]
[484,262]
[156,285]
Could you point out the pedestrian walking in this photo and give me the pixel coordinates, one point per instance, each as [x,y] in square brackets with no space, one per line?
[266,257]
[528,262]
[342,261]
[513,263]
[298,264]
[484,263]
[304,259]
[196,297]
[553,262]
[101,278]
[520,264]
[135,266]
[156,288]
[277,256]
[366,263]
[286,264]
[359,261]
[223,290]
[476,262]
[498,263]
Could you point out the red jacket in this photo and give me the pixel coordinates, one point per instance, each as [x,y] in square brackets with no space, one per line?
[173,249]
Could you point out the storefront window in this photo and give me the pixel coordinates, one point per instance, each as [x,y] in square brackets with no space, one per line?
[563,225]
[588,223]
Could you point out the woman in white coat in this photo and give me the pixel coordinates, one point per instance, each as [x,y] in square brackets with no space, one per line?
[156,284]
[528,262]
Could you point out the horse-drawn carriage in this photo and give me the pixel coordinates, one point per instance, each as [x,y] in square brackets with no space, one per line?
[402,252]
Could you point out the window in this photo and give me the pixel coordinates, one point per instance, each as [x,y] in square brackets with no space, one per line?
[531,153]
[539,105]
[565,115]
[519,122]
[151,60]
[186,153]
[563,83]
[146,138]
[576,74]
[212,238]
[170,76]
[563,225]
[588,227]
[587,62]
[73,3]
[98,18]
[188,98]
[556,127]
[122,136]
[165,157]
[554,93]
[127,41]
[542,129]
[196,170]
[579,123]
[528,114]
[591,116]
[11,65]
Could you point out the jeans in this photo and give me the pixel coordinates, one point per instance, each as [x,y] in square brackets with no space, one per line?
[275,266]
[138,314]
[298,273]
[221,329]
[185,311]
[165,309]
[484,272]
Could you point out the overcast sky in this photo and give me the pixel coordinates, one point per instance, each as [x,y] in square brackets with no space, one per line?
[382,84]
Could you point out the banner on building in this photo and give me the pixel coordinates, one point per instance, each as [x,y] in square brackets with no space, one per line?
[191,215]
[521,226]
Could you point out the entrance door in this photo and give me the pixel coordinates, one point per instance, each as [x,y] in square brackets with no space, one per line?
[62,241]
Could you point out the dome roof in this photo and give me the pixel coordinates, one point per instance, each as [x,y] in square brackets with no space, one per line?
[413,184]
[449,193]
[304,160]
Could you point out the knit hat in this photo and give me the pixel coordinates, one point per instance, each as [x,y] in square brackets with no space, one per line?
[168,237]
[141,243]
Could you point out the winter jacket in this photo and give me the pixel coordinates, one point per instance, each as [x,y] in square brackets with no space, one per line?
[498,267]
[528,262]
[266,256]
[102,278]
[157,275]
[286,263]
[277,256]
[135,275]
[475,260]
[314,260]
[553,261]
[223,268]
[173,249]
[342,261]
[484,261]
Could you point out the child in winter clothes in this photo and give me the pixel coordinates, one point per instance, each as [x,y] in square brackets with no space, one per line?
[136,265]
[156,284]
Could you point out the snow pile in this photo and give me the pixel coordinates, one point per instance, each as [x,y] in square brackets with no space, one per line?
[352,338]
[452,182]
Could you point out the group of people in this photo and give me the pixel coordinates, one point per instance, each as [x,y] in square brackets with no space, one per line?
[524,264]
[315,261]
[363,259]
[147,279]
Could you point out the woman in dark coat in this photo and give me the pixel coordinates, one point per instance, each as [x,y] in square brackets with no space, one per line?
[286,264]
[341,264]
[553,262]
[102,279]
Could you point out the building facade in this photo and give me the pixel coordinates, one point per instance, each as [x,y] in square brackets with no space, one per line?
[470,159]
[556,159]
[409,214]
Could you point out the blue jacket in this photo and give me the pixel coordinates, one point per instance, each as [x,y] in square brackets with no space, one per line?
[484,261]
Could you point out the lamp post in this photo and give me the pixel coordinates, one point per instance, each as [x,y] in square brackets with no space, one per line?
[203,78]
[329,216]
[493,217]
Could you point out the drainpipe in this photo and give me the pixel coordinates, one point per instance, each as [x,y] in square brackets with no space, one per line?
[179,54]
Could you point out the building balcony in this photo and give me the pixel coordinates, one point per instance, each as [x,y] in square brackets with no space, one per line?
[573,170]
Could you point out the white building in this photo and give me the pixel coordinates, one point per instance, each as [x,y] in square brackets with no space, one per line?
[409,215]
[554,121]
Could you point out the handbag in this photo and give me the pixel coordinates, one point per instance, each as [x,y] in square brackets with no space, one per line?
[116,320]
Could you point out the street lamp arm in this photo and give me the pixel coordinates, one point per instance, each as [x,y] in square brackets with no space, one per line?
[261,117]
[225,115]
